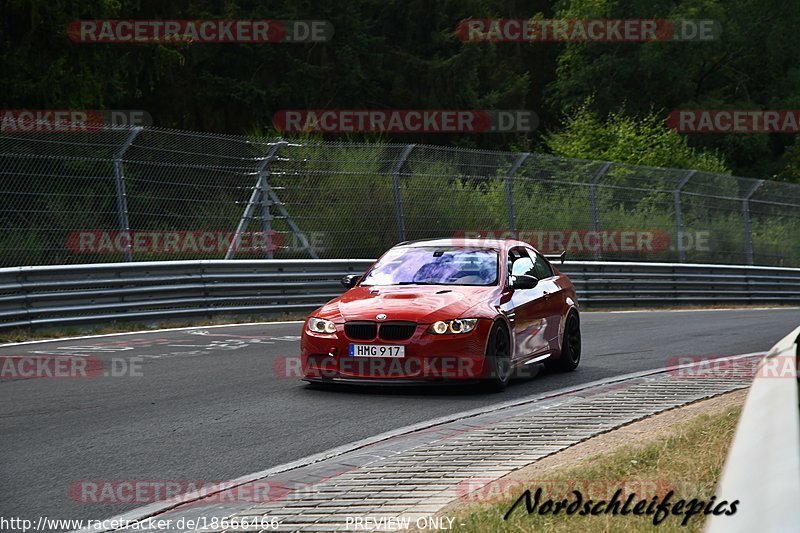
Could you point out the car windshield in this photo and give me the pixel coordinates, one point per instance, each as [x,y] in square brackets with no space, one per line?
[435,266]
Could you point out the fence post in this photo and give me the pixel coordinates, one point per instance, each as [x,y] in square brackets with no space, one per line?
[122,197]
[258,190]
[748,233]
[679,215]
[398,197]
[266,219]
[593,204]
[512,216]
[274,200]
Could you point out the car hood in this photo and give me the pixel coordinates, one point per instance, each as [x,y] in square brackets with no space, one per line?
[423,304]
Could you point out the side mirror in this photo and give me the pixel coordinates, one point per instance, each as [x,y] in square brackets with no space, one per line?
[523,282]
[350,280]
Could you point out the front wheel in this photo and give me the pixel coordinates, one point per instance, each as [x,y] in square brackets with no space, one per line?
[498,356]
[570,345]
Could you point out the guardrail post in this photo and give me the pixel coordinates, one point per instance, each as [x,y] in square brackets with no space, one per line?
[748,233]
[398,197]
[512,216]
[258,191]
[593,204]
[122,198]
[679,215]
[25,290]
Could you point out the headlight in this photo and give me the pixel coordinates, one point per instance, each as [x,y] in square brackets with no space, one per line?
[320,325]
[459,325]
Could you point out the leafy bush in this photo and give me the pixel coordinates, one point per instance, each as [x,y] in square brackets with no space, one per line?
[622,139]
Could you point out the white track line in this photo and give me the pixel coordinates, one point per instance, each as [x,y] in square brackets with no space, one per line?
[61,339]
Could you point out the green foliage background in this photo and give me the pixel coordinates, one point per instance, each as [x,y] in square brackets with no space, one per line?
[595,101]
[405,54]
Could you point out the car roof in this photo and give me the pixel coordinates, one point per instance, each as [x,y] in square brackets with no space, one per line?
[491,244]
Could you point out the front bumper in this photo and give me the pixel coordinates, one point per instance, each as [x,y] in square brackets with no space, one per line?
[391,382]
[429,358]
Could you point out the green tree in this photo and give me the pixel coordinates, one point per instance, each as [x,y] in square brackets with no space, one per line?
[623,139]
[753,64]
[385,54]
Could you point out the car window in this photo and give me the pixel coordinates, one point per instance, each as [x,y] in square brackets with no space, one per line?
[423,265]
[521,264]
[542,268]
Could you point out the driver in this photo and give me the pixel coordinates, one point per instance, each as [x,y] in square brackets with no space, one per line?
[440,270]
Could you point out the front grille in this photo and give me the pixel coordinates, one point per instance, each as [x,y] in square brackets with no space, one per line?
[397,332]
[362,331]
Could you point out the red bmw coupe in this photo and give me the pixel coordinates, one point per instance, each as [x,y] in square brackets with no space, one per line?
[446,311]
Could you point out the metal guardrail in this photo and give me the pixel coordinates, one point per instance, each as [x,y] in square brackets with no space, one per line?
[762,470]
[73,294]
[625,284]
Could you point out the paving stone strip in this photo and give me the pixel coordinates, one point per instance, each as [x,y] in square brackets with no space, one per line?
[417,474]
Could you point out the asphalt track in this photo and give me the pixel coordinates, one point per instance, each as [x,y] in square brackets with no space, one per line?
[214,404]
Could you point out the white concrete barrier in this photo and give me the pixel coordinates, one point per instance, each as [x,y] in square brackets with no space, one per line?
[762,470]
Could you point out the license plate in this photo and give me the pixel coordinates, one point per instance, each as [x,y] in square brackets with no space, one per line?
[377,350]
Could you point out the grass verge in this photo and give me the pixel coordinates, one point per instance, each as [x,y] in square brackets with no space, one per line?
[687,459]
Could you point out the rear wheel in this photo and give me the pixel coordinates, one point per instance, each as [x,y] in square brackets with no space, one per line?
[498,356]
[570,346]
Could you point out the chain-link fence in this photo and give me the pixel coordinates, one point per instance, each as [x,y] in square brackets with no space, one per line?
[121,194]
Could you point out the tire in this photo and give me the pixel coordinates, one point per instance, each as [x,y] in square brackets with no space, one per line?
[570,345]
[498,355]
